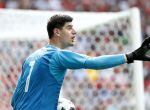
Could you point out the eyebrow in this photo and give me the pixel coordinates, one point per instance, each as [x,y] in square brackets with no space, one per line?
[70,25]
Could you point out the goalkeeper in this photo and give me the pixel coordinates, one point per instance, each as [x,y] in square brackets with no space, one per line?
[43,71]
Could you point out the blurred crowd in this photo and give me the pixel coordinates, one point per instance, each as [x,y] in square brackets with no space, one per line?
[110,89]
[84,5]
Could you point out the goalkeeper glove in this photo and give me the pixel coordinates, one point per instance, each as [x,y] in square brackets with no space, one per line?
[140,53]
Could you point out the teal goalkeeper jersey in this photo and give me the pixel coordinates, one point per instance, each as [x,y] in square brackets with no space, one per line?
[43,73]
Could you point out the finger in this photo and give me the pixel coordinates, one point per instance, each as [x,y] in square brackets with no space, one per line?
[146,35]
[147,58]
[146,41]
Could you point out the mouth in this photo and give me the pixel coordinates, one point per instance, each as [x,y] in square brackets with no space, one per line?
[73,38]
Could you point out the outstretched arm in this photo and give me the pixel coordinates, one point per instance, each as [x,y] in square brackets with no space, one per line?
[73,60]
[105,61]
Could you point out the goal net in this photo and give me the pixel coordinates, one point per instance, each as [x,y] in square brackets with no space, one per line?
[119,88]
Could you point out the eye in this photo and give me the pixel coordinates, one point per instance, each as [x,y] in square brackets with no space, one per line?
[69,28]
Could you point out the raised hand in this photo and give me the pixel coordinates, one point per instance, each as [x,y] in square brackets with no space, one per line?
[140,53]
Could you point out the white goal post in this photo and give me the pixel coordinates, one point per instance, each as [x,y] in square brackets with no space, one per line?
[138,66]
[28,24]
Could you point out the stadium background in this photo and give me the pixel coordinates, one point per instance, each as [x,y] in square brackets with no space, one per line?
[8,81]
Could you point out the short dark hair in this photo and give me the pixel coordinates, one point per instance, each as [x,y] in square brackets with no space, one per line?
[57,21]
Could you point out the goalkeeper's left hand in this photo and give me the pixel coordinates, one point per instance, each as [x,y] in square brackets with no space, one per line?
[140,53]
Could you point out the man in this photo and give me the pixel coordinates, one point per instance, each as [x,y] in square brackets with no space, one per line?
[43,71]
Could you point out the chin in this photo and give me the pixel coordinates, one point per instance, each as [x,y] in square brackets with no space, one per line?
[72,44]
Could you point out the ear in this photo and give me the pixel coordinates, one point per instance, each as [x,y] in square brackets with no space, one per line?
[56,32]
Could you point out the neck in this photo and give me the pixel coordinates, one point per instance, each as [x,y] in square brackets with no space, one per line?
[55,43]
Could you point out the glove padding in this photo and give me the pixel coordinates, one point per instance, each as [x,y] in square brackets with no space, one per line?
[140,53]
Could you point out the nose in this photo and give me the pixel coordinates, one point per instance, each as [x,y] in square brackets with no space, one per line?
[73,31]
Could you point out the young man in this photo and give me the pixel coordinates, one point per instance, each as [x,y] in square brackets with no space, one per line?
[43,71]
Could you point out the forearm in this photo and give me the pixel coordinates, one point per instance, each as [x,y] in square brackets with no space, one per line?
[105,61]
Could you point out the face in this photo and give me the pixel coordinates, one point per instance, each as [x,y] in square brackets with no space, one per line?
[67,35]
